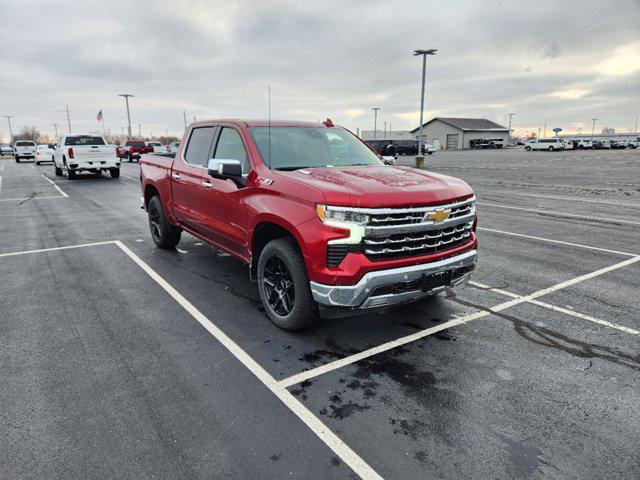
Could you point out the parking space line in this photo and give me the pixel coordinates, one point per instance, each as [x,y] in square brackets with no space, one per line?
[573,199]
[559,309]
[341,449]
[560,214]
[328,367]
[54,184]
[53,249]
[560,242]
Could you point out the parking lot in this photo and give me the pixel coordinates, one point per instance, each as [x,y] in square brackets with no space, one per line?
[120,360]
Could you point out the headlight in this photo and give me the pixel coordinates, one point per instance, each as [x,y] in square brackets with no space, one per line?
[332,215]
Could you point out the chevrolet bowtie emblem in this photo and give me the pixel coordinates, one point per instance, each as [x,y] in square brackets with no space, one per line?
[438,215]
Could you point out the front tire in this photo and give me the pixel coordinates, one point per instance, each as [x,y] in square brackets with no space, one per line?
[115,172]
[528,149]
[284,285]
[163,233]
[551,149]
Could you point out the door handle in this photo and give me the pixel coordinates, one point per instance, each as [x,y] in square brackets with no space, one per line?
[177,176]
[207,184]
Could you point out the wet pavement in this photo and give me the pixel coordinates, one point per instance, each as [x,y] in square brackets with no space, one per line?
[106,375]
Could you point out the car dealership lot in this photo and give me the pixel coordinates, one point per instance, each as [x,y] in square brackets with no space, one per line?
[163,364]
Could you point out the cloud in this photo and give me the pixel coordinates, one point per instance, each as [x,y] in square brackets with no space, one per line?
[322,59]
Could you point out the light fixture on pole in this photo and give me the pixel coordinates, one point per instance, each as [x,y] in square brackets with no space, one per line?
[424,53]
[126,99]
[375,122]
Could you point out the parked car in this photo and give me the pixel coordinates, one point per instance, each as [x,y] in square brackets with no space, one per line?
[634,144]
[601,145]
[157,147]
[7,150]
[323,224]
[550,144]
[619,144]
[84,153]
[581,144]
[24,149]
[173,147]
[131,150]
[568,145]
[44,153]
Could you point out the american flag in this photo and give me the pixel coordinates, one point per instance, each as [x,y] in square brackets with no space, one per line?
[99,116]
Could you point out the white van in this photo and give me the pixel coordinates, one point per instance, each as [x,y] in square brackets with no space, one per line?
[550,144]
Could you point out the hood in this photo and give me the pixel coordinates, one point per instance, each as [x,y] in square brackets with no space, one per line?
[381,186]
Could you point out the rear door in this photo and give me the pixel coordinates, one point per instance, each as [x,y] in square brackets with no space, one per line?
[188,192]
[225,215]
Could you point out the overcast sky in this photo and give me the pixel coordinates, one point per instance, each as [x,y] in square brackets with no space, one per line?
[560,62]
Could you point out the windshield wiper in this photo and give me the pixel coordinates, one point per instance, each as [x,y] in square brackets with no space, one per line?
[290,169]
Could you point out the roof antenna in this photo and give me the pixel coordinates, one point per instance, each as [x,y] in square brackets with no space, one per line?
[269,123]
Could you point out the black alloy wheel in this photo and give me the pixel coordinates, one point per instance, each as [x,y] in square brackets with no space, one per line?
[279,286]
[154,222]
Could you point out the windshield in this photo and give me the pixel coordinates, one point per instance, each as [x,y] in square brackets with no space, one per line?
[306,147]
[84,140]
[25,144]
[136,143]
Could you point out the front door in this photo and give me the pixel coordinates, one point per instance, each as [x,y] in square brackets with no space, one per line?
[188,176]
[224,212]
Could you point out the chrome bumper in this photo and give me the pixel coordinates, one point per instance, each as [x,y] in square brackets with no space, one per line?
[362,295]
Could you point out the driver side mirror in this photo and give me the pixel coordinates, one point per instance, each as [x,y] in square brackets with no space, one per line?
[226,169]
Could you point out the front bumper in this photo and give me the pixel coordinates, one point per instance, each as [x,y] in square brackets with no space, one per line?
[383,288]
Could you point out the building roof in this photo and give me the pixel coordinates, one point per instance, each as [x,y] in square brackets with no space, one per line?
[468,124]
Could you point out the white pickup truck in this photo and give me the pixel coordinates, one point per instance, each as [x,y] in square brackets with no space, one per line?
[84,153]
[24,149]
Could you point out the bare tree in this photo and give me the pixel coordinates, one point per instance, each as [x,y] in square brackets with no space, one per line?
[28,133]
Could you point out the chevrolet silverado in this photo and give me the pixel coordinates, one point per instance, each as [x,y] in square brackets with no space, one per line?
[324,225]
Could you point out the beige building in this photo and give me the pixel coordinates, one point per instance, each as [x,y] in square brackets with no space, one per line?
[457,133]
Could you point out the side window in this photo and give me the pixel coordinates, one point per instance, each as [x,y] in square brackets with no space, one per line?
[199,146]
[230,147]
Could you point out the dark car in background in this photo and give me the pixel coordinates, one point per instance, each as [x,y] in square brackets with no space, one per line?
[133,149]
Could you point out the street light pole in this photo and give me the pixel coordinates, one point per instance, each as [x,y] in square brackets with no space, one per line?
[68,119]
[424,53]
[375,122]
[126,99]
[184,115]
[593,128]
[9,117]
[55,125]
[510,117]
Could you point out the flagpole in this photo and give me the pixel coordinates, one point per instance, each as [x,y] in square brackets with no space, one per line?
[103,130]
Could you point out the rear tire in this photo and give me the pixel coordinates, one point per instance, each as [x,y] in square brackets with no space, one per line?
[115,172]
[17,160]
[528,149]
[551,149]
[71,175]
[284,285]
[163,233]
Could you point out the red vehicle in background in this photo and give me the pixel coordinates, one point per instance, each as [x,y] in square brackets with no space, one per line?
[133,149]
[325,226]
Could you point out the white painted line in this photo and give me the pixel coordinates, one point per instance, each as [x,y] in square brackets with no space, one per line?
[54,184]
[2,167]
[573,199]
[341,449]
[306,375]
[588,247]
[128,176]
[29,198]
[560,214]
[0,183]
[53,249]
[555,308]
[32,167]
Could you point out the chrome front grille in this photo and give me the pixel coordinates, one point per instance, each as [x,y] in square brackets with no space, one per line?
[408,232]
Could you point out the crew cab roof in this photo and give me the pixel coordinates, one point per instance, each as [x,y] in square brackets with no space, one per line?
[261,123]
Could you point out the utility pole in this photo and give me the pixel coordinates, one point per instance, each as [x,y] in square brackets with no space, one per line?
[385,130]
[593,128]
[194,118]
[636,129]
[375,122]
[544,135]
[184,115]
[122,132]
[424,53]
[9,117]
[68,119]
[126,99]
[510,117]
[140,130]
[55,125]
[166,136]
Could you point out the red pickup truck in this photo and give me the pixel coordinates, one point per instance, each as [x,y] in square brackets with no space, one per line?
[325,226]
[133,149]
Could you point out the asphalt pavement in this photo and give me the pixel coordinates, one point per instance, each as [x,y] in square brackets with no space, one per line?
[120,360]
